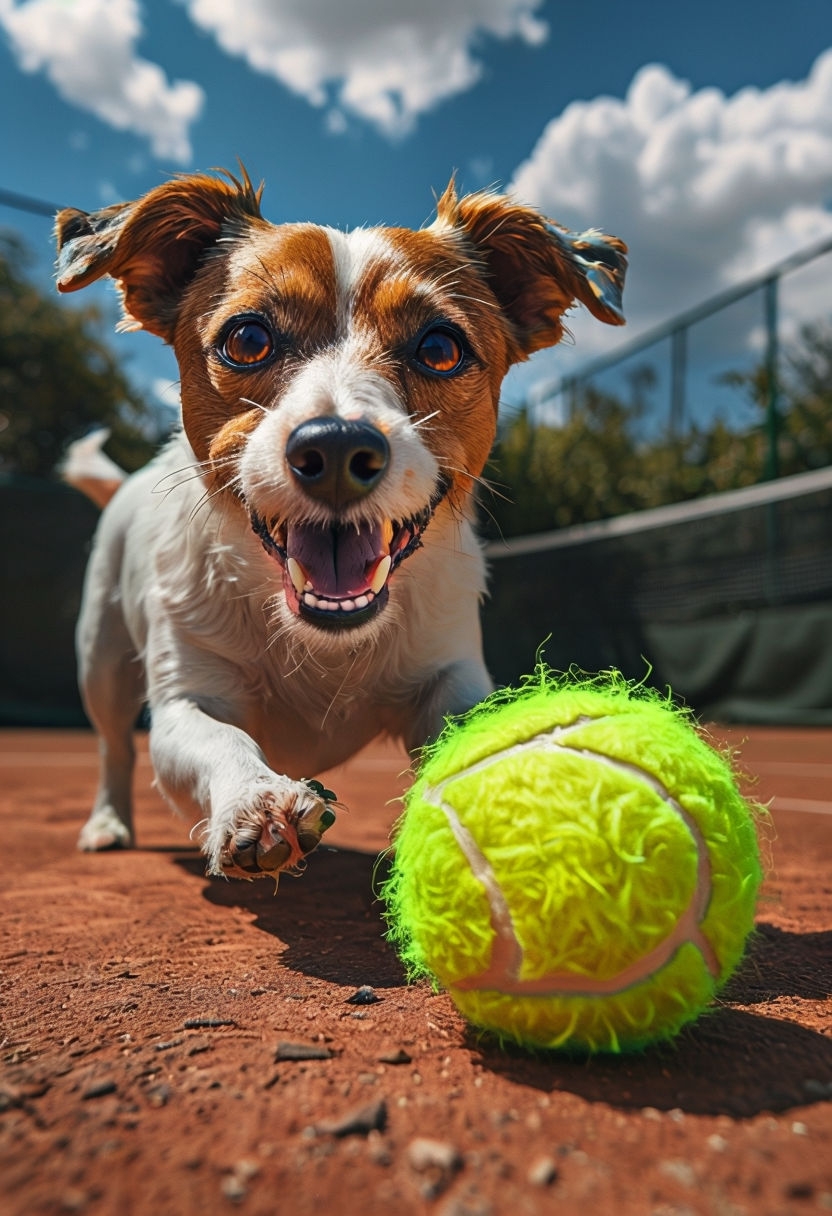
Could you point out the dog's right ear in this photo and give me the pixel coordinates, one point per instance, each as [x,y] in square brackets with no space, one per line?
[152,247]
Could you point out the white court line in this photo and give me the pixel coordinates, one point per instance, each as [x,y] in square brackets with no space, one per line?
[811,806]
[34,759]
[794,768]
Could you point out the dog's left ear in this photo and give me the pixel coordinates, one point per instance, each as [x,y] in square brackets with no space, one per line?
[152,247]
[537,269]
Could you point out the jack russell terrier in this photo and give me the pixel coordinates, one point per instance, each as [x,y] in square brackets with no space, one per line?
[297,571]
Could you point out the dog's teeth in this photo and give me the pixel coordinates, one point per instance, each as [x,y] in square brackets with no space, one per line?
[298,575]
[380,576]
[347,605]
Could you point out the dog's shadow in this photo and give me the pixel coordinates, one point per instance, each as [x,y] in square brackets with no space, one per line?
[329,920]
[737,1060]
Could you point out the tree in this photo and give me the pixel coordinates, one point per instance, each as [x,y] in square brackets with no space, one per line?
[804,399]
[595,466]
[58,379]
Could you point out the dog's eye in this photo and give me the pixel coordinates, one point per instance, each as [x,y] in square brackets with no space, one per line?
[247,343]
[440,350]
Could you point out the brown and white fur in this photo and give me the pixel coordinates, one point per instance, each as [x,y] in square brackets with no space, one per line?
[297,571]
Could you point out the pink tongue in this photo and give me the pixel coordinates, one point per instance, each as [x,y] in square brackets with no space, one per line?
[338,561]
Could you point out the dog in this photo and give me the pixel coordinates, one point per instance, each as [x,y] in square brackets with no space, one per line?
[297,571]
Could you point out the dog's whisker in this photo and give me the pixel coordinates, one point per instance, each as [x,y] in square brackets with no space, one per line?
[458,295]
[196,470]
[478,480]
[417,422]
[338,691]
[255,404]
[210,495]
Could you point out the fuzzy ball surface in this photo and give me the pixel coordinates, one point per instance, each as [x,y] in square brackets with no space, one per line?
[575,865]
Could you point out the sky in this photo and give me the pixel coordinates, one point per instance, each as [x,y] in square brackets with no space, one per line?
[700,133]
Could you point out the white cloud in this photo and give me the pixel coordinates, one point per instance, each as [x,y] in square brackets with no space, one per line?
[384,61]
[86,48]
[706,189]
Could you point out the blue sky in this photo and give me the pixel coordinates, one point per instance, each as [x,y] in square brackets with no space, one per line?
[700,133]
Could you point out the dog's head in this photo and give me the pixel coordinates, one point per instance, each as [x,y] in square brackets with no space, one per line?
[342,387]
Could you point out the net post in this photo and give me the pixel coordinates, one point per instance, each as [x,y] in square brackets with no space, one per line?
[678,375]
[772,463]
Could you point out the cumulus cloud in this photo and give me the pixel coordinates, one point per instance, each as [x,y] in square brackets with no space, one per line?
[87,50]
[707,190]
[383,61]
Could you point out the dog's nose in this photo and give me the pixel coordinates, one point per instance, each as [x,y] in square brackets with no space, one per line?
[337,460]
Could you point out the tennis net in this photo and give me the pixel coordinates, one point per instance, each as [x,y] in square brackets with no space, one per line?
[728,599]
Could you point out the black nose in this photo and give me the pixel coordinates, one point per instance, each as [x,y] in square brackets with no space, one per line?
[335,460]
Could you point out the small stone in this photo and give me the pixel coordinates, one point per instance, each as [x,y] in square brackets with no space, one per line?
[365,995]
[234,1188]
[396,1055]
[680,1171]
[246,1169]
[542,1172]
[359,1121]
[302,1051]
[100,1089]
[207,1023]
[437,1161]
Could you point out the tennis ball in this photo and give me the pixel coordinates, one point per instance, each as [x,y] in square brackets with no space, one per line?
[575,865]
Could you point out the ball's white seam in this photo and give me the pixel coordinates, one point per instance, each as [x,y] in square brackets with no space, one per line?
[503,971]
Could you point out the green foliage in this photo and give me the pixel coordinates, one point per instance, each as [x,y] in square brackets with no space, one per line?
[595,466]
[804,399]
[58,379]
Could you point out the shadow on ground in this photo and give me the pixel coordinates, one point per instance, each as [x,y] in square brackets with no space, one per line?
[330,920]
[733,1061]
[736,1060]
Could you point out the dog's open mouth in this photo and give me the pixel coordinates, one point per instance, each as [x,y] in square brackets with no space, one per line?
[336,576]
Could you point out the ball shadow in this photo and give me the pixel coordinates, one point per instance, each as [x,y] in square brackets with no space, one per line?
[733,1061]
[780,963]
[730,1063]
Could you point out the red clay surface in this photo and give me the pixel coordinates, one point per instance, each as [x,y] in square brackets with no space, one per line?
[143,1009]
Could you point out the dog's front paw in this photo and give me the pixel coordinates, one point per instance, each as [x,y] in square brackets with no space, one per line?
[277,831]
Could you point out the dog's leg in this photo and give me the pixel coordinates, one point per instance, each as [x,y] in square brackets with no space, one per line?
[255,821]
[112,689]
[455,690]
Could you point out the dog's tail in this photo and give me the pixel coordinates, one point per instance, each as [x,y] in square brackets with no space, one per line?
[90,469]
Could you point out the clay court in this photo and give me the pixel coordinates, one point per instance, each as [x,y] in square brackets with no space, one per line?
[174,1044]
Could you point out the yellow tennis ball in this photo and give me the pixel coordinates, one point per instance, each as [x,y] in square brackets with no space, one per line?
[575,865]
